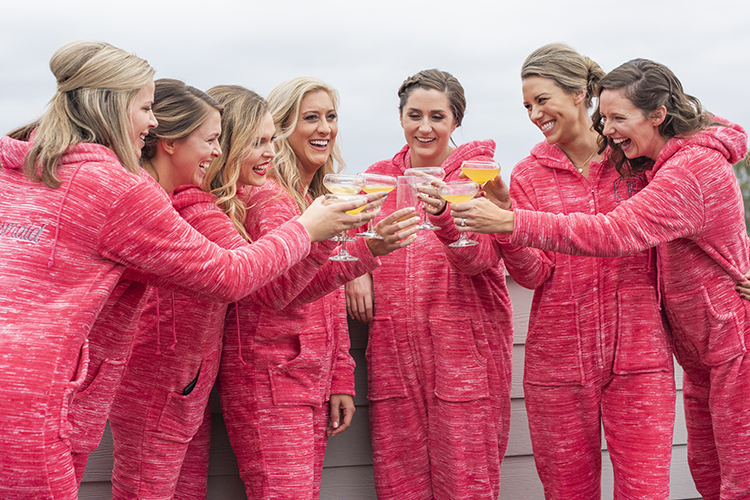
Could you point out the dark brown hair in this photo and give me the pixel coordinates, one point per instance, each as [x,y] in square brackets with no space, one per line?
[437,80]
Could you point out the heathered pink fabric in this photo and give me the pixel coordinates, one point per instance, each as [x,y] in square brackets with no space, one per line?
[108,219]
[692,212]
[294,355]
[110,342]
[439,358]
[597,350]
[178,341]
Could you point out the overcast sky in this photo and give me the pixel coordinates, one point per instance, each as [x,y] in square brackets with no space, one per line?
[366,49]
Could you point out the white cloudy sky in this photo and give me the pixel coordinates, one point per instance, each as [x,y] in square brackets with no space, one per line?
[366,49]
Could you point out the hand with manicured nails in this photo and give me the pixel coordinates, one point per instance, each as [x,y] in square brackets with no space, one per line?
[480,215]
[342,411]
[325,221]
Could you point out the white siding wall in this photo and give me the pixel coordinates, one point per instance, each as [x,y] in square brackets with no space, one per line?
[347,474]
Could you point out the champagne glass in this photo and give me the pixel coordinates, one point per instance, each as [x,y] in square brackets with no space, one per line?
[375,183]
[331,199]
[480,171]
[343,184]
[459,192]
[427,174]
[406,195]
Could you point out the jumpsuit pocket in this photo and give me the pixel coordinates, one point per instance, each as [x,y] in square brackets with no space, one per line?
[384,376]
[71,389]
[717,335]
[182,415]
[297,381]
[553,347]
[460,370]
[642,345]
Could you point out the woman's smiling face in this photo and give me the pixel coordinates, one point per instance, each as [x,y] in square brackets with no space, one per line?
[428,123]
[629,128]
[314,135]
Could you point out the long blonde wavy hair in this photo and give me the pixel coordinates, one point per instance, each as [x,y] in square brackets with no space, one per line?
[241,129]
[96,84]
[285,101]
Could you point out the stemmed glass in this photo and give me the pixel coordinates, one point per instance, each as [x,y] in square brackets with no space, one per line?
[480,171]
[330,199]
[343,184]
[459,192]
[375,183]
[429,174]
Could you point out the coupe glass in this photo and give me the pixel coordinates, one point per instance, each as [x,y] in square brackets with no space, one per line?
[459,192]
[331,199]
[480,171]
[427,175]
[375,183]
[343,184]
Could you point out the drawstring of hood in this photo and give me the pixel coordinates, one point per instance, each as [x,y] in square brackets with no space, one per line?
[158,324]
[565,212]
[51,261]
[239,337]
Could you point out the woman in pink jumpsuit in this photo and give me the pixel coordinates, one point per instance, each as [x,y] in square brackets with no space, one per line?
[439,351]
[692,212]
[597,352]
[75,211]
[287,380]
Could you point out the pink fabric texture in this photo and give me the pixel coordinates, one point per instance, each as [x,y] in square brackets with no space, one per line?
[439,358]
[104,220]
[177,345]
[110,343]
[290,354]
[692,212]
[597,350]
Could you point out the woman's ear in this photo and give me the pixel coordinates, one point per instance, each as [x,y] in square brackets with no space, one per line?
[658,115]
[167,146]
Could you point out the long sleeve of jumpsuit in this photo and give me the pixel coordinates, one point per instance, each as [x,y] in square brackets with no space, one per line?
[692,211]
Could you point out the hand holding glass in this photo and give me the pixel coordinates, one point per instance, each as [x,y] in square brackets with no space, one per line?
[343,184]
[459,192]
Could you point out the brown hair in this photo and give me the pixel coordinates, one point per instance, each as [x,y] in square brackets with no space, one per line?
[649,85]
[571,71]
[437,80]
[180,109]
[96,84]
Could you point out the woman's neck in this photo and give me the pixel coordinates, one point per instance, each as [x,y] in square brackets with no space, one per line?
[158,168]
[582,148]
[415,161]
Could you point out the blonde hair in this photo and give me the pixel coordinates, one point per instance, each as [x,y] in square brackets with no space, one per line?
[285,101]
[241,129]
[96,83]
[180,110]
[571,71]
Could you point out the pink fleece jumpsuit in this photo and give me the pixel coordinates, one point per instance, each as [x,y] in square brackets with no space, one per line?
[63,252]
[692,212]
[286,351]
[597,351]
[439,358]
[163,396]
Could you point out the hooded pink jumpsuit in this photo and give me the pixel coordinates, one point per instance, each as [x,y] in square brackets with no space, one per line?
[692,212]
[286,351]
[64,251]
[597,351]
[439,358]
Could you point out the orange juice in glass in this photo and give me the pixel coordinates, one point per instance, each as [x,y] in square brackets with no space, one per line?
[480,171]
[331,199]
[427,175]
[459,192]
